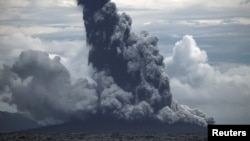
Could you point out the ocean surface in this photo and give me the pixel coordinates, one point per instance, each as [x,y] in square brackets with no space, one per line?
[103,137]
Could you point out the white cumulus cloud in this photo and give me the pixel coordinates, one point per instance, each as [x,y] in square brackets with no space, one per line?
[197,83]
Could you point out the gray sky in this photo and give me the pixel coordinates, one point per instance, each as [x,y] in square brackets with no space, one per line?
[208,69]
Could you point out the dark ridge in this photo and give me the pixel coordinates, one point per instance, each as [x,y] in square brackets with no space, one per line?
[107,125]
[10,122]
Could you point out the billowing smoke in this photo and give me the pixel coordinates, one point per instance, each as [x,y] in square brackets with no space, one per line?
[41,87]
[132,60]
[130,79]
[140,86]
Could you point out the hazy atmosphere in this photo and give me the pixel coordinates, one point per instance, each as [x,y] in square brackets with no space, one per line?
[47,72]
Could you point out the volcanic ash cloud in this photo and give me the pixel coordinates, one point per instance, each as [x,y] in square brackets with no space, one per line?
[134,84]
[130,79]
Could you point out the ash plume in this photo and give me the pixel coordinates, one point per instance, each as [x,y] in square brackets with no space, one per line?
[130,79]
[41,88]
[135,66]
[132,60]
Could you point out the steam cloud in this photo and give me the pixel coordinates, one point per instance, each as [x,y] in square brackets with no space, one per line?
[41,87]
[131,82]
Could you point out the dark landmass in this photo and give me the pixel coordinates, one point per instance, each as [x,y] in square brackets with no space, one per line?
[10,122]
[109,129]
[108,124]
